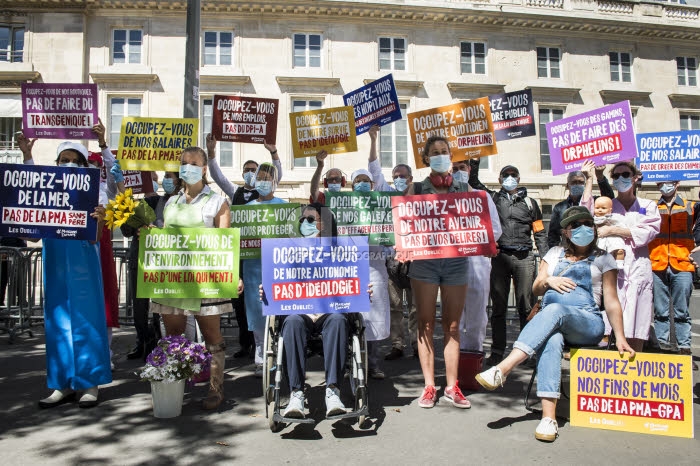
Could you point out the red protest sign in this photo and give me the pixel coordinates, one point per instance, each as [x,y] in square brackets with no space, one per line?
[440,226]
[244,119]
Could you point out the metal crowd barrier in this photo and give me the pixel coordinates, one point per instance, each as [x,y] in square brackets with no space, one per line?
[15,312]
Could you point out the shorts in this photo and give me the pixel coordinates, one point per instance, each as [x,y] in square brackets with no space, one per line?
[451,271]
[210,307]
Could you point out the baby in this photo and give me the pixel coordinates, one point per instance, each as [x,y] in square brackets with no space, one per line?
[603,216]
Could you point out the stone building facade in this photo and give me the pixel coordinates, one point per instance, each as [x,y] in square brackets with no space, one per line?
[575,55]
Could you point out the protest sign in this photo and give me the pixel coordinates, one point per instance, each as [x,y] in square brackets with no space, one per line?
[155,143]
[604,135]
[671,156]
[512,115]
[651,394]
[368,214]
[140,182]
[440,226]
[59,111]
[257,221]
[315,275]
[244,119]
[466,125]
[188,263]
[374,104]
[329,129]
[41,201]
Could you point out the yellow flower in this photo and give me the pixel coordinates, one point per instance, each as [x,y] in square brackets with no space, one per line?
[129,193]
[109,219]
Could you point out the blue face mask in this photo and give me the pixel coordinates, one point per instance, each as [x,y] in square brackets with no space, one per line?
[510,183]
[582,236]
[400,184]
[461,176]
[623,184]
[334,187]
[362,187]
[191,174]
[168,185]
[263,187]
[155,186]
[667,189]
[69,165]
[440,163]
[308,230]
[576,190]
[249,178]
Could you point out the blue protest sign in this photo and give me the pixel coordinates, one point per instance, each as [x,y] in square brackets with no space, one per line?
[48,202]
[315,275]
[673,156]
[374,104]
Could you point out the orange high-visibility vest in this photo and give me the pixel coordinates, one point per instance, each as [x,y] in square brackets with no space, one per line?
[674,242]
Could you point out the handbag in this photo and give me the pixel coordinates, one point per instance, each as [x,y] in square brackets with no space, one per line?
[538,305]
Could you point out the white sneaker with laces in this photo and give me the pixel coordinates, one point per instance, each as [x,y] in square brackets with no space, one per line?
[334,406]
[547,430]
[491,379]
[295,407]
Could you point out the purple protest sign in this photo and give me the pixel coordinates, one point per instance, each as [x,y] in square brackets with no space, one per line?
[604,135]
[59,111]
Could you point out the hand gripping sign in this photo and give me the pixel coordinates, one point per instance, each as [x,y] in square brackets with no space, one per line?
[315,275]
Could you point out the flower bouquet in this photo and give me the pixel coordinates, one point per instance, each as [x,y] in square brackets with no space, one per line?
[124,209]
[174,360]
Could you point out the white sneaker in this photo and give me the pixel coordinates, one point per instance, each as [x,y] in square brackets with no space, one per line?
[57,397]
[295,407]
[334,406]
[89,398]
[258,371]
[491,379]
[547,430]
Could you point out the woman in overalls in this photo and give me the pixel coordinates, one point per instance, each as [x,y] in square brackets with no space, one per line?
[572,279]
[196,205]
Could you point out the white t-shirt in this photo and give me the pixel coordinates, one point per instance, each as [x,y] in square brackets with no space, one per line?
[599,266]
[209,209]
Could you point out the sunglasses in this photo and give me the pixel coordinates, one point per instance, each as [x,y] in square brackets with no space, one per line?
[579,223]
[310,219]
[625,175]
[335,179]
[506,175]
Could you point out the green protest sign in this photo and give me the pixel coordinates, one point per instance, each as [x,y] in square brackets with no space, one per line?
[367,214]
[259,221]
[188,263]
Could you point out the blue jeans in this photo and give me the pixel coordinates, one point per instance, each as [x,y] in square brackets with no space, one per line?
[545,335]
[678,286]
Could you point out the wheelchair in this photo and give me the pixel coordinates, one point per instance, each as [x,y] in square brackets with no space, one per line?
[273,369]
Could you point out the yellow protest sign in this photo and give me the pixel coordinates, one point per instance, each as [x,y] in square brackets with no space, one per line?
[466,125]
[155,143]
[330,129]
[651,394]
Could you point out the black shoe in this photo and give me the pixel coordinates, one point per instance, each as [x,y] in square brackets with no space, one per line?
[415,352]
[136,353]
[395,353]
[52,403]
[242,353]
[493,360]
[688,352]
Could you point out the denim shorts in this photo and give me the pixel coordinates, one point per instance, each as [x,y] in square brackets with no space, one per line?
[451,271]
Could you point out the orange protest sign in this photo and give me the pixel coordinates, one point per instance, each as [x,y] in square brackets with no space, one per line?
[466,125]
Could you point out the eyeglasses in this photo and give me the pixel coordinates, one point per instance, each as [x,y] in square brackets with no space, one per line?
[580,223]
[506,175]
[334,179]
[310,219]
[625,175]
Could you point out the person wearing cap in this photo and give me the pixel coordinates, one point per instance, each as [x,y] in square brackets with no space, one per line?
[377,321]
[240,195]
[573,278]
[399,283]
[521,220]
[77,349]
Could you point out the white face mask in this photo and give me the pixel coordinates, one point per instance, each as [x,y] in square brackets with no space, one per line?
[623,184]
[440,163]
[667,188]
[461,176]
[510,183]
[69,165]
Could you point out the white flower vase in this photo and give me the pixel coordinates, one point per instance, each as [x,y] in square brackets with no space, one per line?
[167,398]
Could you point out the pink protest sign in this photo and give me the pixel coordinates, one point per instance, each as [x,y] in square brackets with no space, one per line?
[59,111]
[440,226]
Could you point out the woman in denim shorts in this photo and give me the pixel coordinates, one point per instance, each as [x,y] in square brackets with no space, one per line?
[447,275]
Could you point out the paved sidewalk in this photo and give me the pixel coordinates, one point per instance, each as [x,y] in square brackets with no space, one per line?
[122,430]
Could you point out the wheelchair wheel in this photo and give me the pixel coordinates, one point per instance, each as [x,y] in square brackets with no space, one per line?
[268,361]
[274,425]
[360,402]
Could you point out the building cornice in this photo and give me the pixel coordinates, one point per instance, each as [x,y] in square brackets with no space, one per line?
[554,94]
[636,98]
[123,78]
[685,101]
[307,81]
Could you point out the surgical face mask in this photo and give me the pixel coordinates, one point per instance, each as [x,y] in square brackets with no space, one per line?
[308,230]
[334,187]
[440,163]
[667,189]
[249,178]
[461,176]
[582,236]
[576,190]
[69,165]
[362,187]
[191,174]
[623,184]
[155,186]
[400,184]
[510,183]
[168,185]
[263,187]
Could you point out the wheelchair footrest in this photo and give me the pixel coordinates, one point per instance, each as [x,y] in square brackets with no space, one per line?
[293,420]
[364,411]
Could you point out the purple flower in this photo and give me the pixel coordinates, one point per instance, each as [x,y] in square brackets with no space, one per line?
[157,357]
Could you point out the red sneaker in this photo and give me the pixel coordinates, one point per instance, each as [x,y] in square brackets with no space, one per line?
[428,398]
[454,395]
